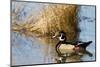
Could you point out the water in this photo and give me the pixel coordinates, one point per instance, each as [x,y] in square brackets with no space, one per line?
[30,50]
[87,26]
[33,50]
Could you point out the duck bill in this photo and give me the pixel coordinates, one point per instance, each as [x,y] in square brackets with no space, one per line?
[54,36]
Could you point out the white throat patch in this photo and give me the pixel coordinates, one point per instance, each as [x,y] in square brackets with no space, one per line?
[61,38]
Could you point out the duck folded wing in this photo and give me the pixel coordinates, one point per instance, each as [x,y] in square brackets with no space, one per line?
[85,44]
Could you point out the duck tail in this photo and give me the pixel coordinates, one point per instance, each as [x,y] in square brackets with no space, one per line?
[85,44]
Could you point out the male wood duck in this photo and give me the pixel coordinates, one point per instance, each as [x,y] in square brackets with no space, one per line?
[64,48]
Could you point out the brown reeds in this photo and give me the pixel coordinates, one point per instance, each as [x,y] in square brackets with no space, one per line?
[54,18]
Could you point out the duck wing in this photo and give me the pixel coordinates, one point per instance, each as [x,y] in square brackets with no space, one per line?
[84,44]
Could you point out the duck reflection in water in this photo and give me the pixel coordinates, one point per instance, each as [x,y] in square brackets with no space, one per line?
[66,50]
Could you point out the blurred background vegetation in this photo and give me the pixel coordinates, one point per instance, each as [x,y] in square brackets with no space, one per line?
[51,19]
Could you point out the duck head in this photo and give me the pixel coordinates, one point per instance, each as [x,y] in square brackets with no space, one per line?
[60,35]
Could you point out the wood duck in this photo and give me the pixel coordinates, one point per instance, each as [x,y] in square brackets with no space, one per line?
[64,48]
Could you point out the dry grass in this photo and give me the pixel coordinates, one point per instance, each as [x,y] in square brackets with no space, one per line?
[53,19]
